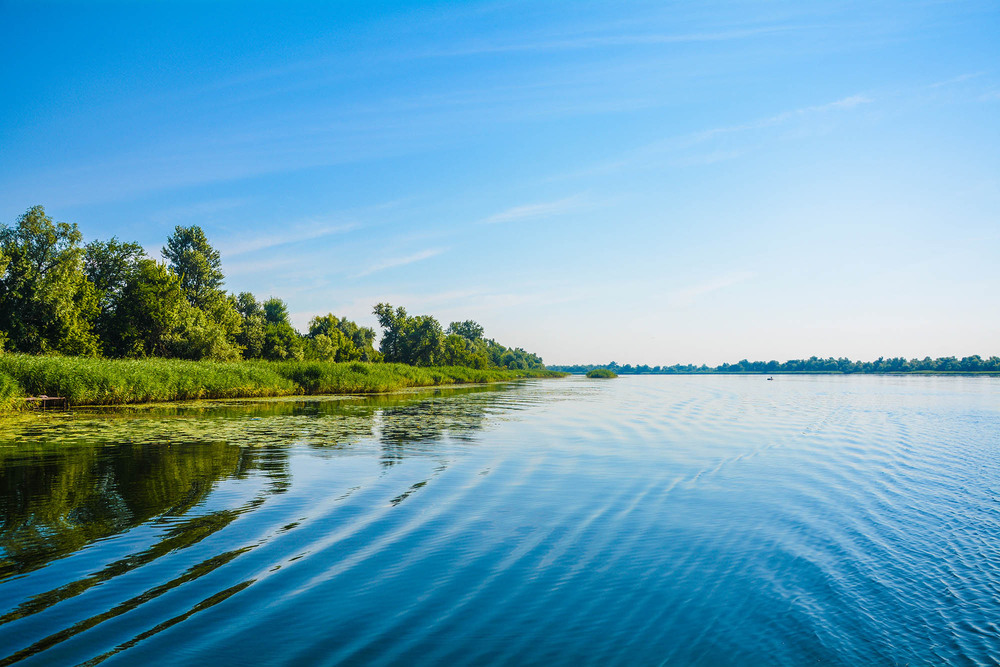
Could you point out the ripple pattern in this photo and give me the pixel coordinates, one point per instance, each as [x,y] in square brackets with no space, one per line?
[692,519]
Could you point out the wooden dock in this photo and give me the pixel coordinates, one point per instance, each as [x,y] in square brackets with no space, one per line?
[44,402]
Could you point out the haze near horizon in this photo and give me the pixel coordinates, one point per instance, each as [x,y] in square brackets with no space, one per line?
[645,183]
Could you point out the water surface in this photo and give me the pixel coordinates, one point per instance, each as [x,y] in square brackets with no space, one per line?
[694,520]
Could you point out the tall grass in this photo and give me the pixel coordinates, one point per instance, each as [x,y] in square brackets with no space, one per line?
[90,381]
[321,377]
[11,394]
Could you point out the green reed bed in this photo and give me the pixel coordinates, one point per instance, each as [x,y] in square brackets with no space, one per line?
[91,381]
[11,394]
[321,377]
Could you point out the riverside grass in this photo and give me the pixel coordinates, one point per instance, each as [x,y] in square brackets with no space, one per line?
[93,381]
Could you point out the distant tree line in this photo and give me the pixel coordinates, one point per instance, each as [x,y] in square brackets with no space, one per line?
[973,364]
[107,298]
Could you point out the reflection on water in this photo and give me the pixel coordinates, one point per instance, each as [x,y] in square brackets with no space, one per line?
[696,520]
[71,480]
[56,500]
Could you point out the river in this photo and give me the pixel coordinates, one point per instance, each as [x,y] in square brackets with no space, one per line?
[711,520]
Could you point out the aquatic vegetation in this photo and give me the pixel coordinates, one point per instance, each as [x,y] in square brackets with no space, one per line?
[94,381]
[601,373]
[10,393]
[321,377]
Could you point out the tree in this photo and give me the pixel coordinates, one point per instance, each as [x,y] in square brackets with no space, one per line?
[111,266]
[460,351]
[350,341]
[148,313]
[281,340]
[424,341]
[46,302]
[393,323]
[253,326]
[207,333]
[415,340]
[196,263]
[108,264]
[468,329]
[276,312]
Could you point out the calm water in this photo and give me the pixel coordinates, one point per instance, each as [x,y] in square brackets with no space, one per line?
[691,520]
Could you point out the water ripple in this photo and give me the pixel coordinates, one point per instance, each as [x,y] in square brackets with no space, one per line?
[694,520]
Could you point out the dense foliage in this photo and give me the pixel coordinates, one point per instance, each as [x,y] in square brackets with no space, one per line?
[601,373]
[420,341]
[107,299]
[973,364]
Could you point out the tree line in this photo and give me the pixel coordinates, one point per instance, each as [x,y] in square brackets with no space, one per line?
[107,298]
[973,364]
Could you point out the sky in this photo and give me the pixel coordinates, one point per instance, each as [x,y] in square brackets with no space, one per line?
[639,182]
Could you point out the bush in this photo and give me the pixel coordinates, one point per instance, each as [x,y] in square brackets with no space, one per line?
[602,373]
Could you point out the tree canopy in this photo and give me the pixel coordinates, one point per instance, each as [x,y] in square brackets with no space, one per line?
[108,298]
[196,263]
[47,304]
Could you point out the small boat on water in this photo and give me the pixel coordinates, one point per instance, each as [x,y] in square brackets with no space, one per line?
[770,378]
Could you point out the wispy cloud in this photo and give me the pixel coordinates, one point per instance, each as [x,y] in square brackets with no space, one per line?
[688,295]
[295,235]
[956,79]
[784,117]
[400,261]
[533,211]
[676,148]
[606,41]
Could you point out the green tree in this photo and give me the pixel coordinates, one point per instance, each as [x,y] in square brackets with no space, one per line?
[393,323]
[253,325]
[460,351]
[424,341]
[46,302]
[468,329]
[281,340]
[111,266]
[418,340]
[196,263]
[147,314]
[207,333]
[352,342]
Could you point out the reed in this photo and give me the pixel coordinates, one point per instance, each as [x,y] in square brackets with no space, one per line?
[11,394]
[94,381]
[320,377]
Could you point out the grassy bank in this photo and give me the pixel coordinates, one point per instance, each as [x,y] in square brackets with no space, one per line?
[89,381]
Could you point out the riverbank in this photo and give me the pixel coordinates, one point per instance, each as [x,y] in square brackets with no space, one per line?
[91,381]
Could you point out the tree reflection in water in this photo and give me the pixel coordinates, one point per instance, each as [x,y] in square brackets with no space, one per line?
[67,481]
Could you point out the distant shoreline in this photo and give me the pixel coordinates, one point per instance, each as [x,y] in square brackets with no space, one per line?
[974,365]
[963,373]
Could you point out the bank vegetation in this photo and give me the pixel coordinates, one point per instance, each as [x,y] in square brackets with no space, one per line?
[102,323]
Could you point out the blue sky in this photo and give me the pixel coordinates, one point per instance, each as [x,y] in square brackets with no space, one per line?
[641,182]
